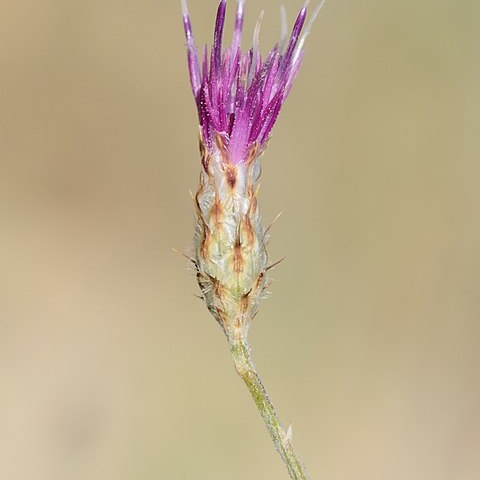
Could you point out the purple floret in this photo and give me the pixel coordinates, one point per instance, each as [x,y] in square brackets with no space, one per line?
[239,95]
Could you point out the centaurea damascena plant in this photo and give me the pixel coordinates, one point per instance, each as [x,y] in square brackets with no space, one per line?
[239,96]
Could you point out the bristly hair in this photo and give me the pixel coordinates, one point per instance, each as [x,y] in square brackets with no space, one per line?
[239,95]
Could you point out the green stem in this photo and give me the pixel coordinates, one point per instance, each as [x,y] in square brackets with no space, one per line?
[245,368]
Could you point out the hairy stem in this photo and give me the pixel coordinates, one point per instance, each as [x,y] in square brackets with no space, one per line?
[283,443]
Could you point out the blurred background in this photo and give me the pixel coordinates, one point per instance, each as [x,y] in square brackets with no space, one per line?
[111,369]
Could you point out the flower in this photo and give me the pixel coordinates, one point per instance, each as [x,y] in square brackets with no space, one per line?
[239,94]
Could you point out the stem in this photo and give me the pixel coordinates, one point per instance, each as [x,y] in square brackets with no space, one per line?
[283,444]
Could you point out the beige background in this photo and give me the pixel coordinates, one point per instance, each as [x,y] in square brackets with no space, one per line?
[111,369]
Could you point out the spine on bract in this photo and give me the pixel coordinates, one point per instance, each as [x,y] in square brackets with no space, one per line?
[229,243]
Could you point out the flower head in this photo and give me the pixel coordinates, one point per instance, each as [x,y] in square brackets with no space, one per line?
[239,94]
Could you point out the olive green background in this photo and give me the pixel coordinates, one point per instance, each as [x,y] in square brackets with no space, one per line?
[111,369]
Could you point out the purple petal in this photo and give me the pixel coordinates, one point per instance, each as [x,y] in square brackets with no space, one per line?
[191,51]
[218,35]
[297,28]
[237,33]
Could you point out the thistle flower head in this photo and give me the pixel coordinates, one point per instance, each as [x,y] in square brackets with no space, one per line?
[239,94]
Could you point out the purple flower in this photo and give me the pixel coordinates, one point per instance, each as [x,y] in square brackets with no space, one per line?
[239,95]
